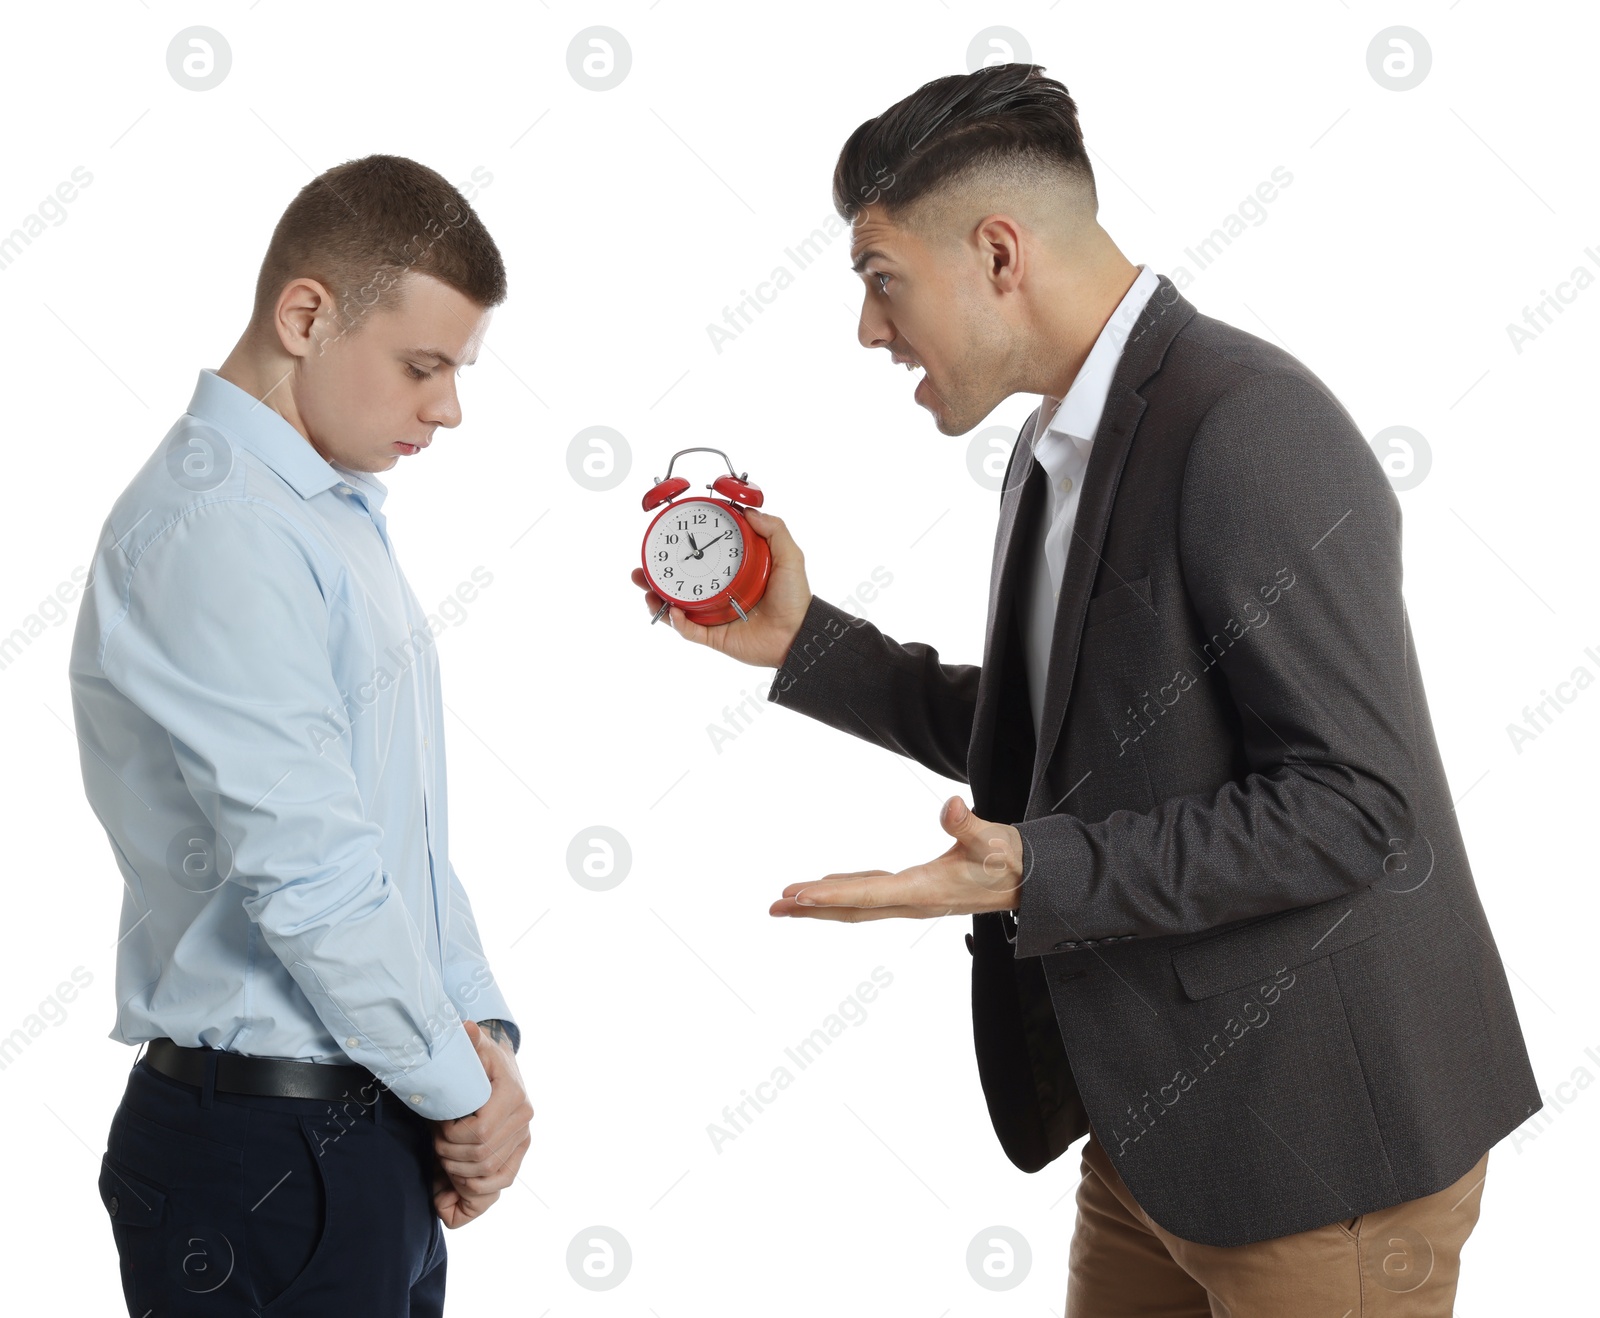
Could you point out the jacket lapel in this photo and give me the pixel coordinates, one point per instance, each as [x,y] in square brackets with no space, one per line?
[1164,314]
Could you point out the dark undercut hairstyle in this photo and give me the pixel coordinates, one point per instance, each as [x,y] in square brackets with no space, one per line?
[1003,115]
[359,227]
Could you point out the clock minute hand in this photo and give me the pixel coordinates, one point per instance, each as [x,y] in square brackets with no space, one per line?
[700,550]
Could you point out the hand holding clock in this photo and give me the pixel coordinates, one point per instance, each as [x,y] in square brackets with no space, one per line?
[762,639]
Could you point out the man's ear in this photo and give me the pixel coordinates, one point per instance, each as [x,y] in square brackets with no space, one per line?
[303,316]
[999,239]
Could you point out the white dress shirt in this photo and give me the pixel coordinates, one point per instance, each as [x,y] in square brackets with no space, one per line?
[1063,451]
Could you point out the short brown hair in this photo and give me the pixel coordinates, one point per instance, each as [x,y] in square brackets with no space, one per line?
[358,227]
[1001,114]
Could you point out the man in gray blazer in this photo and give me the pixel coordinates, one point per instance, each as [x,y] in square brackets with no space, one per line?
[1232,933]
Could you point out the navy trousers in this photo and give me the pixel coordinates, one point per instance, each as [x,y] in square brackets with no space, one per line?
[232,1204]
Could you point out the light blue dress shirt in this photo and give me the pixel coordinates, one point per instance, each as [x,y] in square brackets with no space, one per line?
[258,708]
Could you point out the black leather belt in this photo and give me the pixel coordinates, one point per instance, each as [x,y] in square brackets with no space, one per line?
[268,1076]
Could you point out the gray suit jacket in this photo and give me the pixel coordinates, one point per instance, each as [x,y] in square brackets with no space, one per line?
[1249,950]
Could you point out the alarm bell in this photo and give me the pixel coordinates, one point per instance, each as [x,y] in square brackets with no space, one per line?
[663,491]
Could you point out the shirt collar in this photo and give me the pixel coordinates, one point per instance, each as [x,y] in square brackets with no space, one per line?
[1078,417]
[249,421]
[366,484]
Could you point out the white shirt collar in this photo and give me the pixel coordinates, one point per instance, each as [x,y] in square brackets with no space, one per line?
[1078,417]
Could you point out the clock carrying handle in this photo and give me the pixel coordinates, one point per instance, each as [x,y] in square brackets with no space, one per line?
[736,486]
[700,449]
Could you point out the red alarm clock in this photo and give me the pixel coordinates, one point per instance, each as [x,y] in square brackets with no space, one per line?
[700,553]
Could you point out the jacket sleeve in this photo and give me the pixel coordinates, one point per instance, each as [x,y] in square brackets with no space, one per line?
[842,671]
[1289,543]
[224,642]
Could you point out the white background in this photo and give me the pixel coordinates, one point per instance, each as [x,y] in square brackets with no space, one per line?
[1418,225]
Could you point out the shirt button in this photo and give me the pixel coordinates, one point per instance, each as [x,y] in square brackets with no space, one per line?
[416,1098]
[1066,484]
[351,1042]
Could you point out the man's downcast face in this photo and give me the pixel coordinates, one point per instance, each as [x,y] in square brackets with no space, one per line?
[372,394]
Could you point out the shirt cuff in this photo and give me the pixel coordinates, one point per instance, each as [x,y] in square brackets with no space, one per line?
[451,1083]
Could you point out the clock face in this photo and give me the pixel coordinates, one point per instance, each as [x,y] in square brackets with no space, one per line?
[694,551]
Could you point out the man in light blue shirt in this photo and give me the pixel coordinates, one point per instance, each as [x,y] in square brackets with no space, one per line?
[257,698]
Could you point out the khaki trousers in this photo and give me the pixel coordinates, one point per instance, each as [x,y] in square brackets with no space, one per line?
[1399,1262]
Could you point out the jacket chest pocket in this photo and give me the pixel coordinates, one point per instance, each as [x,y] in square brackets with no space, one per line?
[1124,597]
